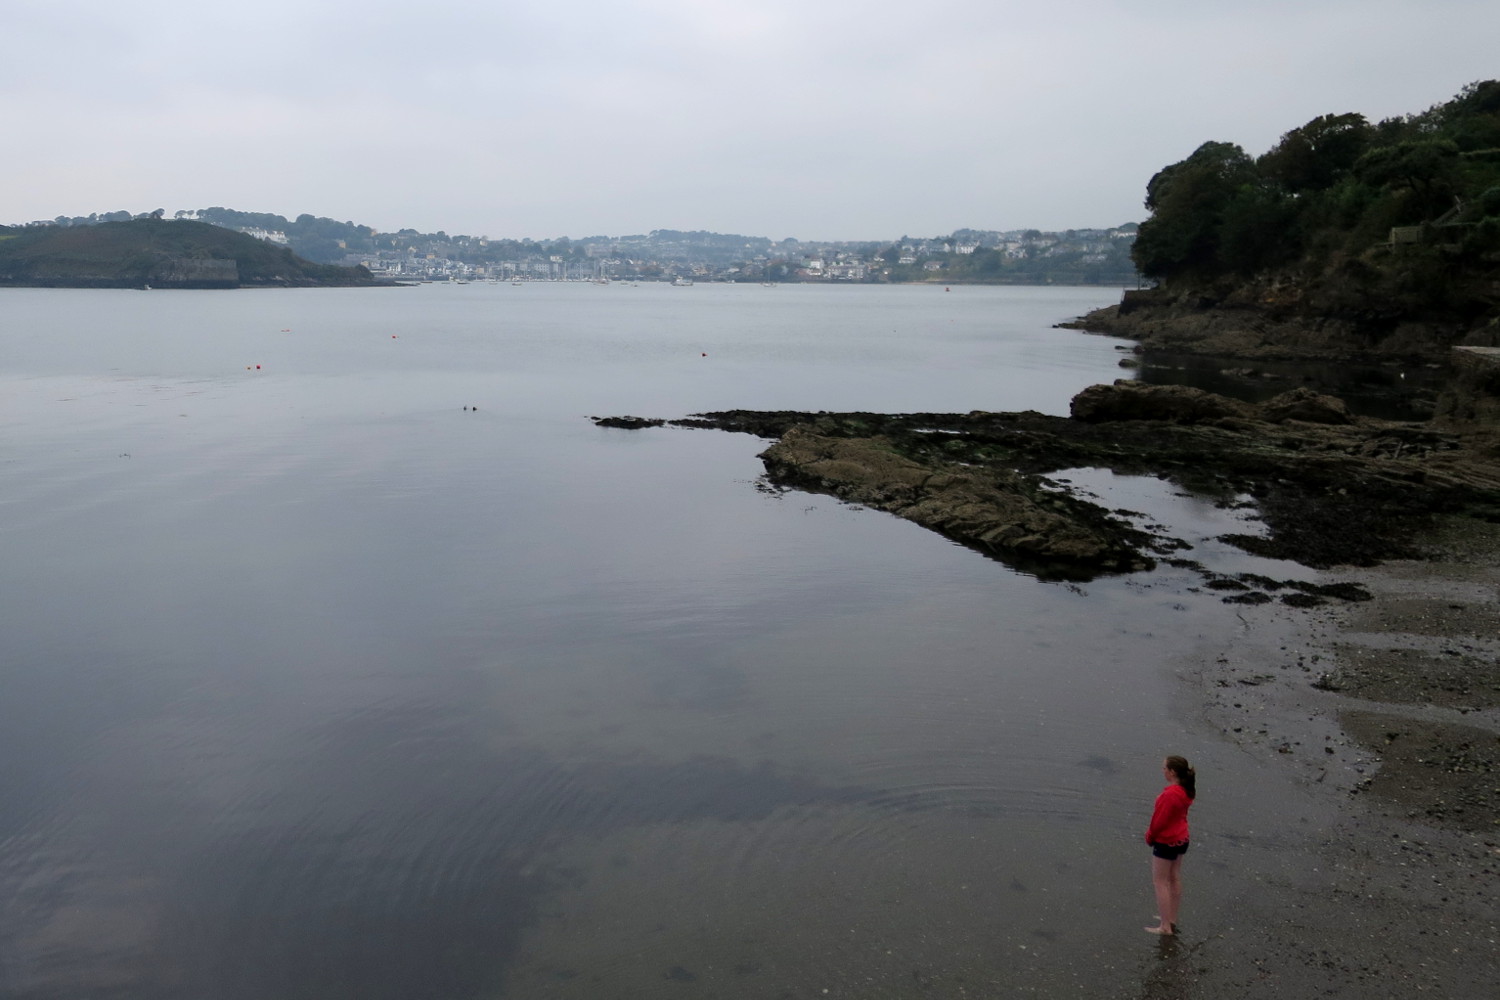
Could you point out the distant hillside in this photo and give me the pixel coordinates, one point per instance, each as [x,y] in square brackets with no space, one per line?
[157,253]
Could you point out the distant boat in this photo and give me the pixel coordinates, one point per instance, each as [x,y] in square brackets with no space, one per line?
[682,282]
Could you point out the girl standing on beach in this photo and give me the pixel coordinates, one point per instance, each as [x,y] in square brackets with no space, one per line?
[1168,837]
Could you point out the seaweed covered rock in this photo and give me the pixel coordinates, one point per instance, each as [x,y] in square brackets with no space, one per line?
[999,510]
[1306,405]
[1178,404]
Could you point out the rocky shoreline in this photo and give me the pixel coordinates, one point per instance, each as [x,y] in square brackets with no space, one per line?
[1390,708]
[1331,488]
[1350,495]
[1378,684]
[1267,321]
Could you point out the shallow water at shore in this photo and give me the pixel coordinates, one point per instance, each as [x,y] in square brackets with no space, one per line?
[343,657]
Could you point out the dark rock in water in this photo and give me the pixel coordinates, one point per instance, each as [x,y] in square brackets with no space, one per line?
[993,509]
[1305,405]
[1302,600]
[1327,493]
[1179,404]
[627,423]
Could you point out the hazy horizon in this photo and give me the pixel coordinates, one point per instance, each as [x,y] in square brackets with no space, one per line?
[577,237]
[836,122]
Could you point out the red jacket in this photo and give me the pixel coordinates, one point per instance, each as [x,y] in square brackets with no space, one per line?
[1169,823]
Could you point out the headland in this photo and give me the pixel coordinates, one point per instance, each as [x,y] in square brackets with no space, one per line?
[160,254]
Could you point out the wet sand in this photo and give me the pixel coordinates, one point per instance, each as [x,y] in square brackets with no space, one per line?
[1390,710]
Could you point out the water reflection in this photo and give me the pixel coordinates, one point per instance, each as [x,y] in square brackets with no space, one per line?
[317,685]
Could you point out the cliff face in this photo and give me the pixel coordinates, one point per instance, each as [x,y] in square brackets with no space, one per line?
[159,254]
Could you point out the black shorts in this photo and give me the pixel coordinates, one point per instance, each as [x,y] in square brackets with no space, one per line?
[1169,852]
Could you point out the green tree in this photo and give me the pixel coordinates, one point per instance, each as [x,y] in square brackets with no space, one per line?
[1313,157]
[1428,169]
[1255,230]
[1188,201]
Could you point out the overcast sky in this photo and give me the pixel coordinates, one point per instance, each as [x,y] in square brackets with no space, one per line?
[820,119]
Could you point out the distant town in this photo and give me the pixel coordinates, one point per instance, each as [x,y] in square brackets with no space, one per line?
[1017,256]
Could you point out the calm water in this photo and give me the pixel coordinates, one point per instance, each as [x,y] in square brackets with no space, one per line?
[317,684]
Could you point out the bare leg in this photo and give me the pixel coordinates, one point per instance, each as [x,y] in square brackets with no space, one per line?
[1168,893]
[1176,891]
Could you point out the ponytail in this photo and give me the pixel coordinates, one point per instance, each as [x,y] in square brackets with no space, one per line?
[1186,776]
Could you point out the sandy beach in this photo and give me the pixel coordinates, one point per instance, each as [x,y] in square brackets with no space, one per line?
[1389,710]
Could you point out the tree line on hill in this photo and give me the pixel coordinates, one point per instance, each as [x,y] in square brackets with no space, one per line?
[1404,212]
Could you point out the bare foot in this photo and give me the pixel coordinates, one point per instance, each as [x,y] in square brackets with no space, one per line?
[1163,929]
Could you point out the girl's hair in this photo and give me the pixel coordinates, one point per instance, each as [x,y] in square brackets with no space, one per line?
[1186,776]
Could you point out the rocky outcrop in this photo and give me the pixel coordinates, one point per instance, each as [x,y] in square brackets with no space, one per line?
[627,422]
[1473,394]
[1330,489]
[1268,321]
[994,509]
[1178,404]
[1307,406]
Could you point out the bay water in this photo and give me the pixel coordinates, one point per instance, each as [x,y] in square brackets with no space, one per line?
[343,656]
